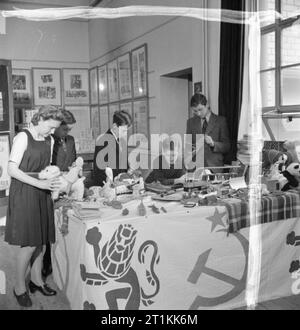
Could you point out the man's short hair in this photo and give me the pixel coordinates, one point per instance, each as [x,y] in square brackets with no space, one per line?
[69,118]
[197,99]
[121,118]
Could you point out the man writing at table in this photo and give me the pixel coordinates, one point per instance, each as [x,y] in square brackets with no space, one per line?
[214,128]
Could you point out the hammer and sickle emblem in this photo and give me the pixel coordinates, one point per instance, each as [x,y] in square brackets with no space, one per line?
[200,268]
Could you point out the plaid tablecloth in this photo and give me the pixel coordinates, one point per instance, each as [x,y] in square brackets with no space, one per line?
[272,208]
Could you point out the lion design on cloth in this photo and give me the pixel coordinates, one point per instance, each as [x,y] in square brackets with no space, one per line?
[71,182]
[114,263]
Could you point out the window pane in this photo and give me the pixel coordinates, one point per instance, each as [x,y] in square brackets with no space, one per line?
[290,86]
[290,45]
[267,51]
[268,88]
[267,5]
[289,7]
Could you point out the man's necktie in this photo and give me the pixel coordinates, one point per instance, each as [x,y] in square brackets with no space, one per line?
[204,126]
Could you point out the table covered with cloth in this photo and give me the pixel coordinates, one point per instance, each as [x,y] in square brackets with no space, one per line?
[179,258]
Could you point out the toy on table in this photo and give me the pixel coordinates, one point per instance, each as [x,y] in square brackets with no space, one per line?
[142,209]
[71,183]
[290,177]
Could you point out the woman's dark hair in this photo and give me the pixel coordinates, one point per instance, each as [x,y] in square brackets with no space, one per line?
[122,118]
[47,112]
[69,118]
[198,99]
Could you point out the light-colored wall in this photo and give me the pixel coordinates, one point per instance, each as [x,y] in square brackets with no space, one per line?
[45,44]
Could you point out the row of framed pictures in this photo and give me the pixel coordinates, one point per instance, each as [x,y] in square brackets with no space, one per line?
[121,79]
[47,86]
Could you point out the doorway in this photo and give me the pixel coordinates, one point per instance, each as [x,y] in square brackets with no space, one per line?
[176,91]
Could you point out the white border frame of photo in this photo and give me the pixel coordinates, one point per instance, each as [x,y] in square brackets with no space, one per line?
[93,79]
[139,83]
[76,85]
[95,120]
[113,81]
[51,79]
[25,92]
[125,80]
[4,158]
[103,84]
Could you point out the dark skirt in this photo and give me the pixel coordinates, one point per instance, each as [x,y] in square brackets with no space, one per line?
[30,216]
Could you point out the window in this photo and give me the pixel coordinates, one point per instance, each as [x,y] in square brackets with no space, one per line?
[280,57]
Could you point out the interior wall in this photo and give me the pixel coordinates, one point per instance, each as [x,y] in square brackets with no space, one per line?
[174,43]
[174,93]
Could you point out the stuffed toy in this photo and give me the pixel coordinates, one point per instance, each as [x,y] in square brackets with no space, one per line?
[290,147]
[291,177]
[71,182]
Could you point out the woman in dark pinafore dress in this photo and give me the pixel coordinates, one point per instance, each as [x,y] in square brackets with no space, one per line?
[30,213]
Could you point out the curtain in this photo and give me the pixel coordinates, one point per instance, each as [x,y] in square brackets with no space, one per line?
[231,74]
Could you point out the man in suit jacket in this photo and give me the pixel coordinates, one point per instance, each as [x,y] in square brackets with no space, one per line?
[64,151]
[121,122]
[214,128]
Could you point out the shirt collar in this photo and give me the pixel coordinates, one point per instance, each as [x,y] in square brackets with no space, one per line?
[112,132]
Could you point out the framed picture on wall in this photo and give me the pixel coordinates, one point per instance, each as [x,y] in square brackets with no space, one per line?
[103,89]
[104,119]
[4,157]
[46,86]
[94,85]
[139,71]
[113,81]
[140,117]
[81,131]
[76,86]
[127,106]
[112,109]
[124,67]
[21,86]
[95,120]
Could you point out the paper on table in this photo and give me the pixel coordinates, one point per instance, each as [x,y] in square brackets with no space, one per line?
[237,183]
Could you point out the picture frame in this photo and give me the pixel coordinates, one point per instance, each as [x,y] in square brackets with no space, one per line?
[140,117]
[46,86]
[104,118]
[76,86]
[198,87]
[93,76]
[4,158]
[139,63]
[21,86]
[103,88]
[127,106]
[95,120]
[112,109]
[124,70]
[113,81]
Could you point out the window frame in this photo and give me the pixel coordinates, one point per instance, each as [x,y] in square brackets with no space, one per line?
[277,28]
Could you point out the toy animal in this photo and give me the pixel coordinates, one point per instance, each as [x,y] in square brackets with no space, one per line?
[71,182]
[291,177]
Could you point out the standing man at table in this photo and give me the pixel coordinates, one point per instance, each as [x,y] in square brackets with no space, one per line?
[64,155]
[214,128]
